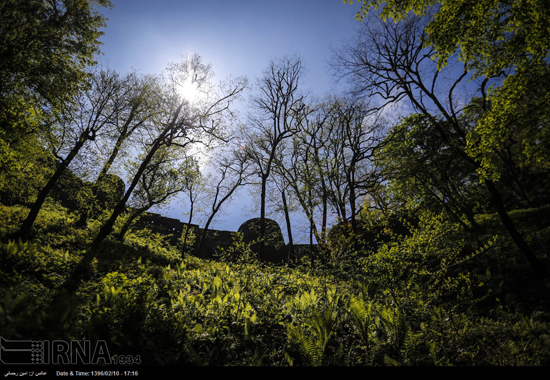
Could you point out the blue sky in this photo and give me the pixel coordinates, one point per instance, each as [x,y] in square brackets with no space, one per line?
[238,37]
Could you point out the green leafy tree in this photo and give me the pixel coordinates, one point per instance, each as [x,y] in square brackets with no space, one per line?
[493,38]
[45,49]
[491,35]
[92,199]
[24,171]
[164,178]
[79,123]
[517,164]
[422,168]
[183,123]
[395,62]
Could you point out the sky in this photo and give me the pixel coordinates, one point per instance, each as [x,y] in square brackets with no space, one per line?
[239,38]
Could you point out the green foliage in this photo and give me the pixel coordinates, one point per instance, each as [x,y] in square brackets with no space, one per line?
[165,176]
[187,240]
[66,190]
[312,330]
[93,225]
[11,218]
[29,274]
[494,39]
[239,252]
[420,299]
[93,198]
[425,171]
[395,291]
[54,226]
[119,311]
[27,259]
[517,124]
[152,245]
[491,35]
[45,49]
[24,169]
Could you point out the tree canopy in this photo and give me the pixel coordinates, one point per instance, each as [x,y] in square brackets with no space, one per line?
[46,47]
[489,35]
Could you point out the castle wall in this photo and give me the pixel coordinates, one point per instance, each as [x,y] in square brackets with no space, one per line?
[214,238]
[164,225]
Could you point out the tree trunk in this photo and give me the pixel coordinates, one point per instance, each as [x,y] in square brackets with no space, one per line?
[205,230]
[312,227]
[262,219]
[121,137]
[538,267]
[288,227]
[311,256]
[119,208]
[187,229]
[353,231]
[24,231]
[324,223]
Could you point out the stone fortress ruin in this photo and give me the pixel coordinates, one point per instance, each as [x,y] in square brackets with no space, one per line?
[275,249]
[72,189]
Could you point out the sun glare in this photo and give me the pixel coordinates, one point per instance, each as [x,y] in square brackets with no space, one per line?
[189,91]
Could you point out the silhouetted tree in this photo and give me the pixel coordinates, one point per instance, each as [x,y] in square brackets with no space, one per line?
[165,176]
[185,123]
[230,171]
[391,61]
[277,108]
[80,122]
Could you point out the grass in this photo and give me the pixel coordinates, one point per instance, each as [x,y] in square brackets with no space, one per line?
[426,299]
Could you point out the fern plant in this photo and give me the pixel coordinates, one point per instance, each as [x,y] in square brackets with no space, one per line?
[319,325]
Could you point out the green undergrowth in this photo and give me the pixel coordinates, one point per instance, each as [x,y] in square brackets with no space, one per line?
[435,297]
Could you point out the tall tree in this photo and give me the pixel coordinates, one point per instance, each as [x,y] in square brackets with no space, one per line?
[357,133]
[193,186]
[421,167]
[333,161]
[282,201]
[277,109]
[185,123]
[303,174]
[229,172]
[298,174]
[144,100]
[163,179]
[79,123]
[391,60]
[45,50]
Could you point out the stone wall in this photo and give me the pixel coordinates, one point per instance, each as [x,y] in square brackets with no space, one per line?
[164,225]
[214,239]
[276,251]
[274,246]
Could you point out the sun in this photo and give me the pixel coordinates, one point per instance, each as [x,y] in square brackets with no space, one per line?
[189,91]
